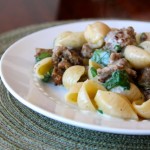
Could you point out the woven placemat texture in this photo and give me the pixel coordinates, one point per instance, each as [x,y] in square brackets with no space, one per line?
[22,128]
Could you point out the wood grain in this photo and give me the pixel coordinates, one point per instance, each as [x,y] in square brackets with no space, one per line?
[18,13]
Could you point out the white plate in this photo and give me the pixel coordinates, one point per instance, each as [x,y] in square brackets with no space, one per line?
[17,75]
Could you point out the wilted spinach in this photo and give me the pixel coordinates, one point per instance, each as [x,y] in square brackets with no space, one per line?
[101,57]
[118,78]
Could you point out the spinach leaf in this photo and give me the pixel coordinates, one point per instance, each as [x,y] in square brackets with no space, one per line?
[117,48]
[47,76]
[42,56]
[118,78]
[101,57]
[93,71]
[100,111]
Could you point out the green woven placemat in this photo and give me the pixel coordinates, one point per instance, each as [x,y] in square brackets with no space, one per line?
[22,128]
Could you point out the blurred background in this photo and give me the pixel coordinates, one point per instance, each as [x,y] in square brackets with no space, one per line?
[19,13]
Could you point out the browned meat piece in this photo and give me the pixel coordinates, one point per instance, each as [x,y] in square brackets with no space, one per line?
[64,64]
[41,50]
[114,57]
[105,73]
[121,37]
[117,63]
[74,58]
[146,94]
[144,82]
[57,75]
[71,56]
[86,51]
[144,78]
[63,58]
[57,54]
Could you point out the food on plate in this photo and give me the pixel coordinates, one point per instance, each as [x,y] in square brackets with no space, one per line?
[70,39]
[43,69]
[87,93]
[117,39]
[105,69]
[137,57]
[72,94]
[95,33]
[133,93]
[72,75]
[92,70]
[142,108]
[145,45]
[115,105]
[144,36]
[64,58]
[144,81]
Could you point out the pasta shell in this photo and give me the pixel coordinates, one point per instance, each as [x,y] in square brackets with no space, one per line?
[72,95]
[42,67]
[95,33]
[72,75]
[132,94]
[142,108]
[138,57]
[87,93]
[146,46]
[115,105]
[96,66]
[138,37]
[70,39]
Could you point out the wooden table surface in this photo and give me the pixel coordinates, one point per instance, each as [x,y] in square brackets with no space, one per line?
[19,13]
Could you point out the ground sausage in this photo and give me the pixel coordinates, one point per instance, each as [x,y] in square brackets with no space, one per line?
[121,37]
[63,58]
[144,81]
[116,63]
[86,51]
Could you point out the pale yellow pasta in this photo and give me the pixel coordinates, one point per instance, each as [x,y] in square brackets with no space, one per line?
[145,45]
[95,33]
[70,39]
[72,94]
[138,57]
[113,29]
[115,105]
[94,65]
[42,67]
[72,75]
[138,36]
[142,108]
[87,93]
[132,94]
[148,36]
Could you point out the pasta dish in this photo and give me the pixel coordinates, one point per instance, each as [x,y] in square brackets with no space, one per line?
[104,69]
